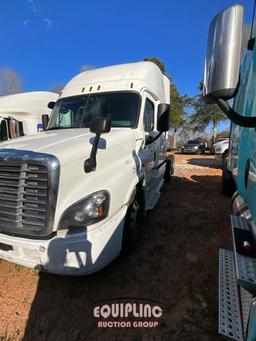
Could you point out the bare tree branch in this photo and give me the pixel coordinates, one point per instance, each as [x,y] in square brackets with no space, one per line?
[10,82]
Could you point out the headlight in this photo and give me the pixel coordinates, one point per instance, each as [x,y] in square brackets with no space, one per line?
[87,211]
[195,147]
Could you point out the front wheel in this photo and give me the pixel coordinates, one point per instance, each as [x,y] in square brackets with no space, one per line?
[132,226]
[169,168]
[227,182]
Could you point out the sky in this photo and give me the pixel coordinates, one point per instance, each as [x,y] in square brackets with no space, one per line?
[47,41]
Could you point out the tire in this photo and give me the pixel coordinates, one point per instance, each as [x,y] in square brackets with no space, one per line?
[132,226]
[168,170]
[227,182]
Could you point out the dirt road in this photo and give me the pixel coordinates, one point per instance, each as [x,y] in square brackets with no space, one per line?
[176,263]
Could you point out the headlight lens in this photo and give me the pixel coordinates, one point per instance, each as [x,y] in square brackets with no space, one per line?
[87,211]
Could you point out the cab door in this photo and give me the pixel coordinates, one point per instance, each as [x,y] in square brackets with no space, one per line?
[151,153]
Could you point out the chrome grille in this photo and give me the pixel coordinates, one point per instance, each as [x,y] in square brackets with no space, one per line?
[28,193]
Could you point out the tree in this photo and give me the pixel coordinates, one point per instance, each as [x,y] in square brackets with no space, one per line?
[178,103]
[57,88]
[10,82]
[157,61]
[178,114]
[205,115]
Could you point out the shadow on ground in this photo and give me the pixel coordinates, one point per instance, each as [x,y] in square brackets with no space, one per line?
[176,262]
[205,162]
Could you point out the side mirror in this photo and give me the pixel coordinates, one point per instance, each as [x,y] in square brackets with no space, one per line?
[45,121]
[222,64]
[99,125]
[4,130]
[221,74]
[163,117]
[51,105]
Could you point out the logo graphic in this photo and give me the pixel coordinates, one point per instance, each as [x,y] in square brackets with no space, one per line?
[128,313]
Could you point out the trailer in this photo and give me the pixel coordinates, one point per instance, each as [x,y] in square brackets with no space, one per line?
[227,77]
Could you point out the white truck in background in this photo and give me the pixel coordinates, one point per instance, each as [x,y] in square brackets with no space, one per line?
[221,149]
[21,114]
[74,196]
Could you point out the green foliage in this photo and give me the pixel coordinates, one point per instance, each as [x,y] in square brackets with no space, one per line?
[157,61]
[205,114]
[177,107]
[178,102]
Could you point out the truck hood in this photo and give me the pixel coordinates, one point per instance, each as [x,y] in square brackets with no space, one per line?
[68,145]
[221,143]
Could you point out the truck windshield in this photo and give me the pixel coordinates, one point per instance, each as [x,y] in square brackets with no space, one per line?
[78,111]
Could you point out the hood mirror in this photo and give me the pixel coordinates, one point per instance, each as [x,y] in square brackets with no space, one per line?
[99,125]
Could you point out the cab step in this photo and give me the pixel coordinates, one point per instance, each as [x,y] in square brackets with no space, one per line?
[245,261]
[246,272]
[239,223]
[230,323]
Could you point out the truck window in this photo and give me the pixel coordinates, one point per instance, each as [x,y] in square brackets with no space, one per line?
[79,111]
[149,116]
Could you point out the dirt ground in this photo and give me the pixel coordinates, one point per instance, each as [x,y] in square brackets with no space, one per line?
[175,263]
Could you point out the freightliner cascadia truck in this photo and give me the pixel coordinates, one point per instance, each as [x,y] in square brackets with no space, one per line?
[73,197]
[229,76]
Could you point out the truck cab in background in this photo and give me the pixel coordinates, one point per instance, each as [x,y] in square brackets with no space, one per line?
[21,114]
[220,148]
[75,195]
[227,77]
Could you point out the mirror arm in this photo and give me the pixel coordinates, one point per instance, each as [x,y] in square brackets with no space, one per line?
[90,164]
[152,139]
[243,121]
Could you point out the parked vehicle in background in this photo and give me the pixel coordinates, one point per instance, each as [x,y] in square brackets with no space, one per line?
[90,178]
[220,139]
[224,79]
[221,149]
[196,146]
[21,114]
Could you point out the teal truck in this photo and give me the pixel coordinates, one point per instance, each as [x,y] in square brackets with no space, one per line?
[230,73]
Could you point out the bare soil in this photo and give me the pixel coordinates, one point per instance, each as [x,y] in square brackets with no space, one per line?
[175,263]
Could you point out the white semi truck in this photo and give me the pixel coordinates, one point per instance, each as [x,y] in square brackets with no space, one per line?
[21,114]
[72,197]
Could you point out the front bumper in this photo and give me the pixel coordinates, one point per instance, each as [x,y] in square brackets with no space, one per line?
[76,253]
